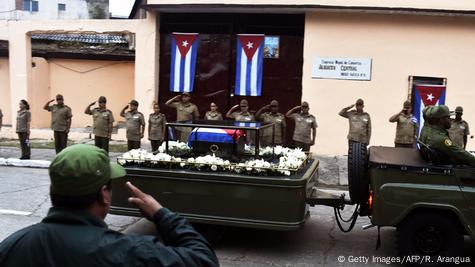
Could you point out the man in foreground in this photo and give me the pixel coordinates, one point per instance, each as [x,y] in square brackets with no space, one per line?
[74,233]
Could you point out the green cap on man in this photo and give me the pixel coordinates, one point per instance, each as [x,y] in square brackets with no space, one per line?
[436,112]
[81,169]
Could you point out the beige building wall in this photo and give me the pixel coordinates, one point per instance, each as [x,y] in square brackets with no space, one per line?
[400,46]
[144,82]
[421,4]
[39,92]
[5,90]
[81,82]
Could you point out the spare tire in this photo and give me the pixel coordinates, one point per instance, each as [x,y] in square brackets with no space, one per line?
[358,178]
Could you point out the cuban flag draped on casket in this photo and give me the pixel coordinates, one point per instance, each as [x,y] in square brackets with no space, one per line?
[183,61]
[425,95]
[249,64]
[229,136]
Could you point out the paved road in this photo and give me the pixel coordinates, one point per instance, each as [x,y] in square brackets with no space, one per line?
[320,243]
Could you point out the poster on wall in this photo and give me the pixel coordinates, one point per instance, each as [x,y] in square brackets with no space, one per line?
[271,47]
[342,68]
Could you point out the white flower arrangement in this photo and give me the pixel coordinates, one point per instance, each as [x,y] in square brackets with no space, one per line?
[175,147]
[289,160]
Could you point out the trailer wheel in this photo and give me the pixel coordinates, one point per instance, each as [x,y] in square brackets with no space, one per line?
[428,236]
[358,180]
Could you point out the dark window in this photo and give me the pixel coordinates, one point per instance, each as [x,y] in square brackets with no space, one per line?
[61,7]
[26,5]
[34,6]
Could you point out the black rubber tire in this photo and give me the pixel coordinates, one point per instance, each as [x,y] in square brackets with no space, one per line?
[358,178]
[429,234]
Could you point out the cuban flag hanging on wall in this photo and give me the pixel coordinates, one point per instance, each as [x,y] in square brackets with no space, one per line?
[425,95]
[183,62]
[249,64]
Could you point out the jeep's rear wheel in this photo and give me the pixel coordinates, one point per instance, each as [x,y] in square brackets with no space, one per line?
[429,234]
[358,181]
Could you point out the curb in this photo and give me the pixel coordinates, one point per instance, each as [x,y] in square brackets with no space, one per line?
[42,164]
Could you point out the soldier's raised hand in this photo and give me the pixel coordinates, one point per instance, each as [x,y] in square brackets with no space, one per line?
[147,205]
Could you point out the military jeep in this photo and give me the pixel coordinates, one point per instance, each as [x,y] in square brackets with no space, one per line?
[432,206]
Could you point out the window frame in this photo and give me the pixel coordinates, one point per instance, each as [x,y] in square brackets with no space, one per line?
[61,7]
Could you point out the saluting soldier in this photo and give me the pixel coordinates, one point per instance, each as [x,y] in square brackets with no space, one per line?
[156,127]
[23,121]
[185,111]
[305,126]
[459,130]
[102,123]
[213,114]
[60,121]
[243,115]
[406,128]
[438,138]
[360,122]
[274,116]
[134,125]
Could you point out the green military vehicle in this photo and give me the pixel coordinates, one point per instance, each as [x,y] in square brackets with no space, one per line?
[432,206]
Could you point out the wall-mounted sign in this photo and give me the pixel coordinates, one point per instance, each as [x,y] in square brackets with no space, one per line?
[341,68]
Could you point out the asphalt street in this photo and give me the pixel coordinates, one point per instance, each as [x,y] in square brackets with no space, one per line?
[24,201]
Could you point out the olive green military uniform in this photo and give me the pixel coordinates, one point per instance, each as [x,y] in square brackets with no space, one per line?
[245,117]
[303,130]
[102,118]
[185,112]
[242,116]
[438,140]
[60,116]
[406,130]
[458,131]
[279,123]
[213,116]
[156,123]
[360,126]
[134,120]
[22,120]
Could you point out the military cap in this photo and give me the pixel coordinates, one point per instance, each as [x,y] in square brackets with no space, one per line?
[407,104]
[134,102]
[438,112]
[102,99]
[59,96]
[274,103]
[82,169]
[305,104]
[359,101]
[459,109]
[243,103]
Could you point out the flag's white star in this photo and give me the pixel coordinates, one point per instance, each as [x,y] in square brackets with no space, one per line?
[430,97]
[249,45]
[184,43]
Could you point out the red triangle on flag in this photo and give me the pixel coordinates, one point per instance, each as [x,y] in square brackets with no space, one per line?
[250,43]
[184,41]
[429,94]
